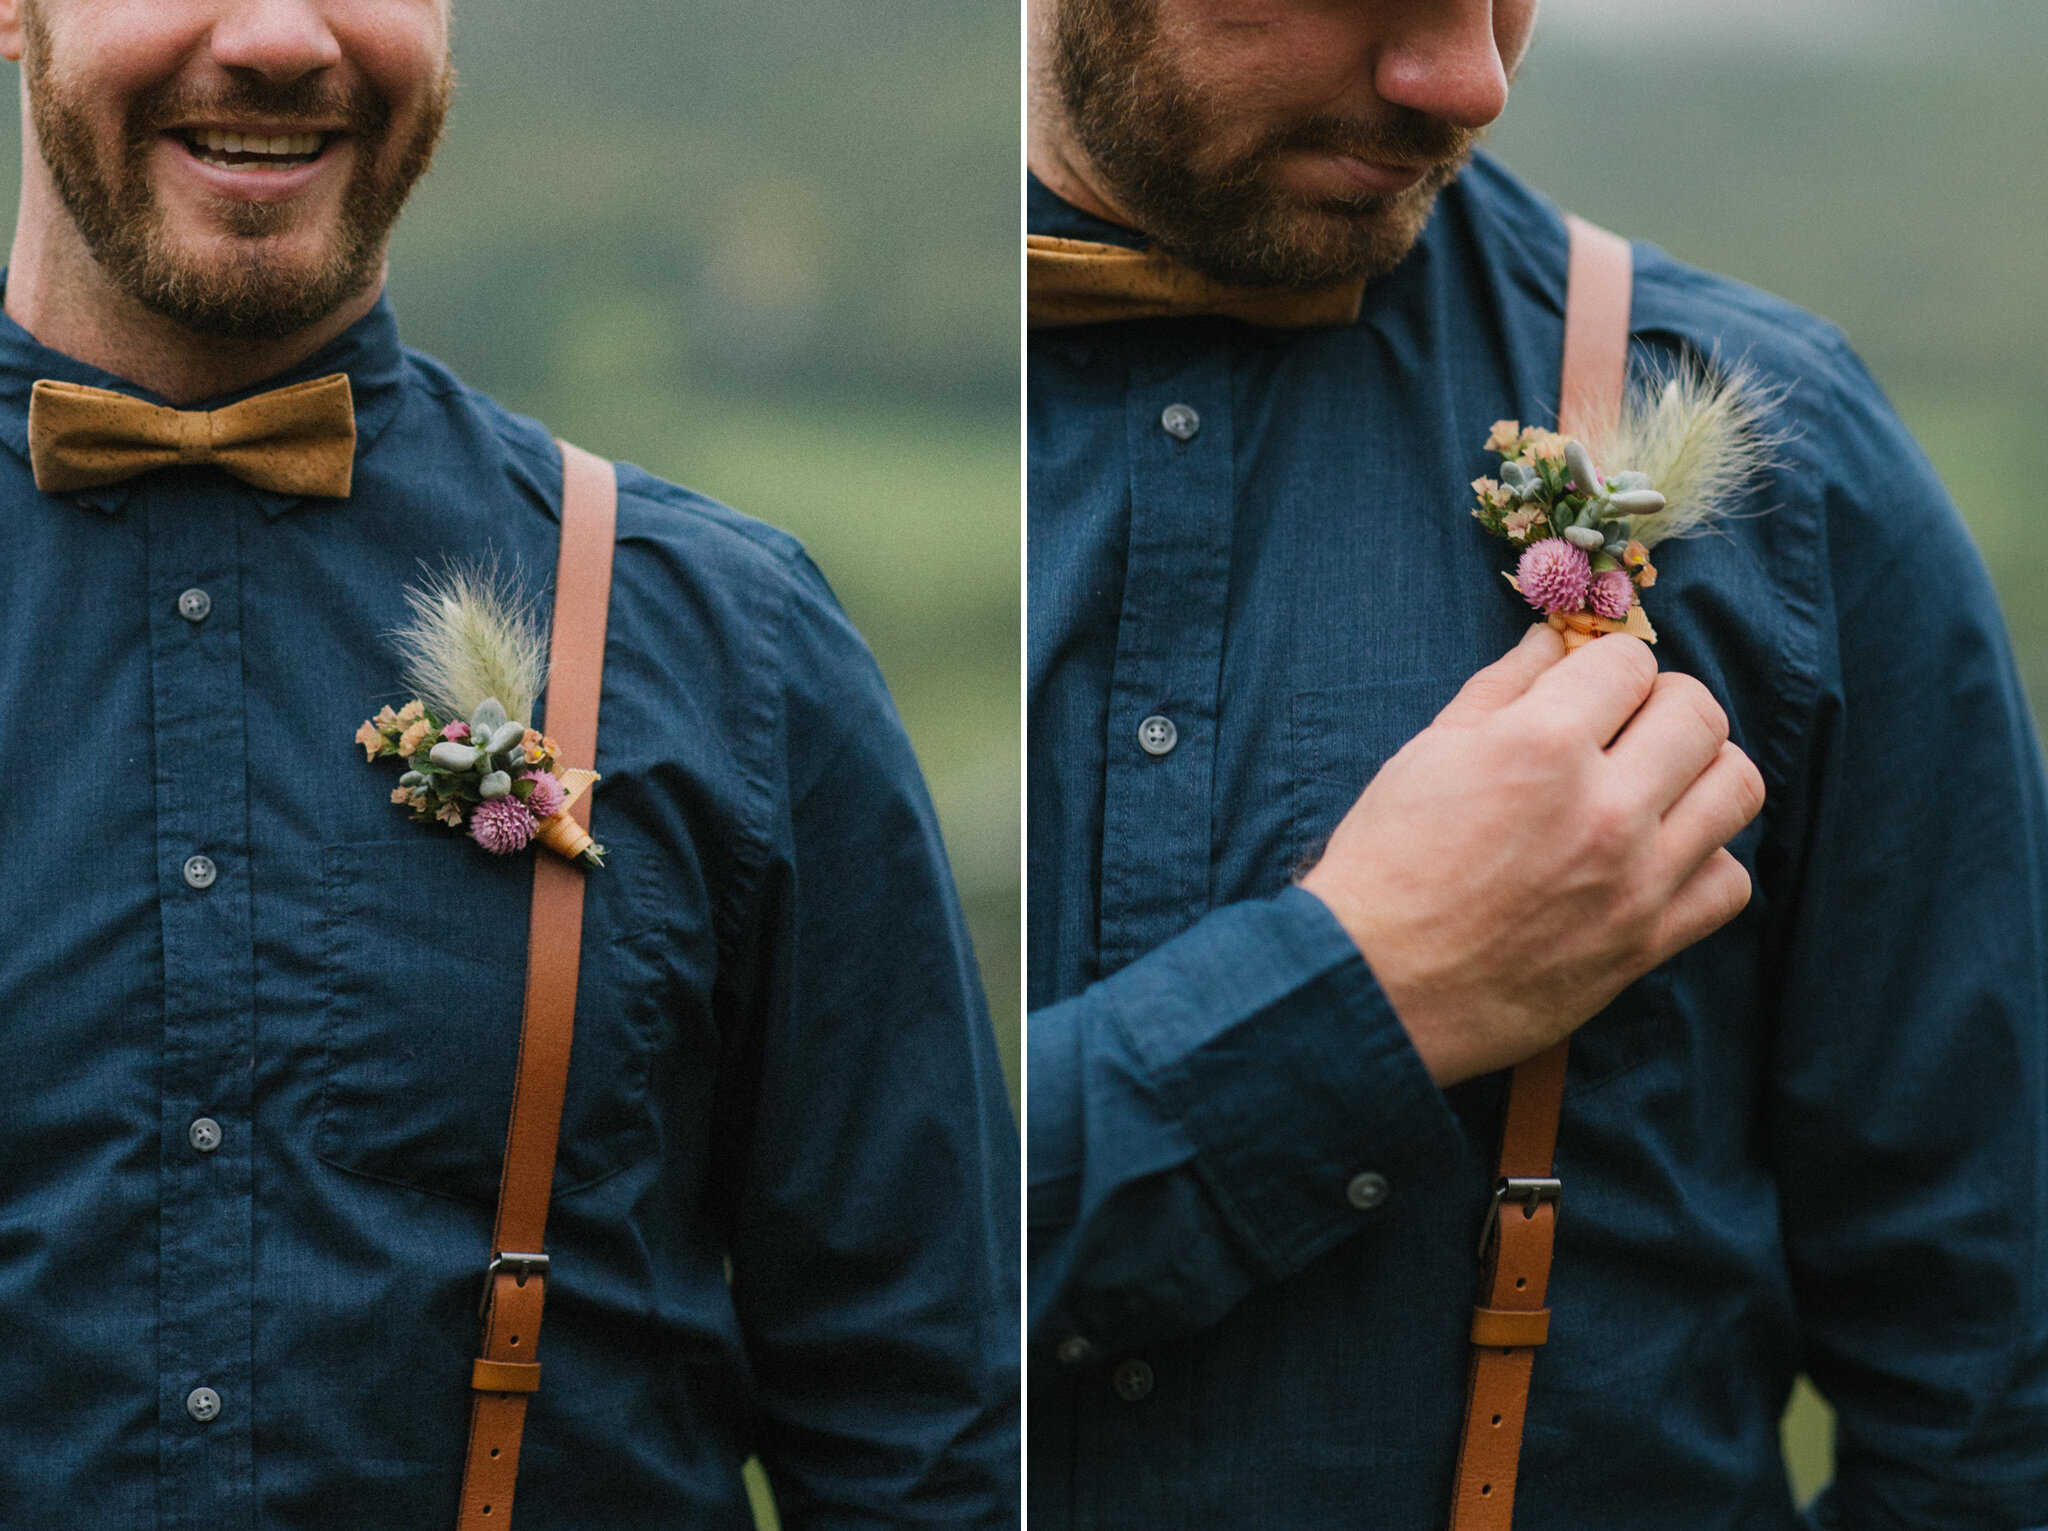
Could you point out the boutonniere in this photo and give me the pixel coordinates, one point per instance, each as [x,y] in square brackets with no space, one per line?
[475,655]
[1680,458]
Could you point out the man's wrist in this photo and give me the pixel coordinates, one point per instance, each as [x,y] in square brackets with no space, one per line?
[1436,1043]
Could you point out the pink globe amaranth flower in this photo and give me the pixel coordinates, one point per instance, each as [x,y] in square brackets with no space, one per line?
[548,795]
[1553,575]
[456,732]
[1611,594]
[501,825]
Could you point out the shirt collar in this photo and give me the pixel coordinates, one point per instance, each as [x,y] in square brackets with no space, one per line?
[368,351]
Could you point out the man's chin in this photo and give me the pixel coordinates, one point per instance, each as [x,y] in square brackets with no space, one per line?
[1299,245]
[237,288]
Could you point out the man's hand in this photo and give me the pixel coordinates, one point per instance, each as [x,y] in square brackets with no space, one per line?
[1557,832]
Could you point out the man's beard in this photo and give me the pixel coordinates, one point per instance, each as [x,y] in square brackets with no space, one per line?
[249,295]
[1144,131]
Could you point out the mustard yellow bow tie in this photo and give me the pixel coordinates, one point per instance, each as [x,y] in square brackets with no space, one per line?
[296,440]
[1075,281]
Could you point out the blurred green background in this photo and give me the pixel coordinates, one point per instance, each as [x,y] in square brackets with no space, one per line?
[1878,161]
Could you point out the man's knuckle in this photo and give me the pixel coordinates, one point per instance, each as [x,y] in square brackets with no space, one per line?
[1612,823]
[1547,737]
[1749,785]
[1635,658]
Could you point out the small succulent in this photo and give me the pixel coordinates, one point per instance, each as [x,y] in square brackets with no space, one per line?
[489,772]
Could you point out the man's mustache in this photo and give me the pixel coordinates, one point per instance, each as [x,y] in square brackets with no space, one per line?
[1411,140]
[308,100]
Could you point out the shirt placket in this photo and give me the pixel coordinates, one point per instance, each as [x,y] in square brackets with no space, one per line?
[1164,687]
[206,1224]
[1134,1414]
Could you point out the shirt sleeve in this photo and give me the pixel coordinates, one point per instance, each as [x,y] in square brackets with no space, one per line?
[1210,1119]
[1909,1122]
[866,1156]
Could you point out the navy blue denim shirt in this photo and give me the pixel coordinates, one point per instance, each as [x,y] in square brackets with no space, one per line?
[785,1206]
[1817,1140]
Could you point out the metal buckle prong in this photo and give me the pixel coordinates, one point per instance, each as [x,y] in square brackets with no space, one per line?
[1529,1191]
[521,1265]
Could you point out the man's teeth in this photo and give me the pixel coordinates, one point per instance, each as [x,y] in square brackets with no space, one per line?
[214,144]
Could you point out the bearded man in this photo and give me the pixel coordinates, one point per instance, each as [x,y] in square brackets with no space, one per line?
[1779,881]
[263,1030]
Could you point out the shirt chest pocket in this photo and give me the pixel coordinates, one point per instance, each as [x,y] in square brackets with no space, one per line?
[1340,738]
[424,981]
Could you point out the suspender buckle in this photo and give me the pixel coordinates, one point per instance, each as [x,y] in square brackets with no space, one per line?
[520,1265]
[1529,1191]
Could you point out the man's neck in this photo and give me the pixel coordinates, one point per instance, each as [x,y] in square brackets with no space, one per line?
[61,295]
[1066,180]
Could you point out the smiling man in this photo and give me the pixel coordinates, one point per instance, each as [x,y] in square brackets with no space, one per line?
[262,1030]
[1778,881]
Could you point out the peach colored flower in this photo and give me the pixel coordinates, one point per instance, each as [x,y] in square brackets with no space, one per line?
[411,712]
[370,738]
[1547,446]
[532,746]
[416,733]
[450,813]
[1521,523]
[1491,492]
[1637,558]
[402,796]
[1505,434]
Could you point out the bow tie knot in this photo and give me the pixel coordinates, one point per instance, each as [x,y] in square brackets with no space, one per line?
[295,440]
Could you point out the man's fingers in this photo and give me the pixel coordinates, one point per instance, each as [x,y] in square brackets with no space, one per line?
[1506,678]
[1712,811]
[1673,737]
[1714,894]
[1599,687]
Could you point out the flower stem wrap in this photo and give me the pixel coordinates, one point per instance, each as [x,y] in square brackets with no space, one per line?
[561,833]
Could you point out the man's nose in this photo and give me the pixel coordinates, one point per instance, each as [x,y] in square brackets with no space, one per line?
[278,39]
[1441,57]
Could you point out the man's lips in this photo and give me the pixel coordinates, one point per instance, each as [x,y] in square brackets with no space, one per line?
[258,162]
[259,146]
[1375,179]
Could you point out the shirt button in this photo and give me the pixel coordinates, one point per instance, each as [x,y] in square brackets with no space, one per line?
[1074,1350]
[194,605]
[200,871]
[203,1404]
[1132,1381]
[1157,735]
[205,1134]
[1179,422]
[1366,1191]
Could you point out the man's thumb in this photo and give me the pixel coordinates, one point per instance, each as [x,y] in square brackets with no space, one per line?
[1506,678]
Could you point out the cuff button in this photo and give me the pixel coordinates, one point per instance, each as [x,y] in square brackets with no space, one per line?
[1132,1381]
[1366,1191]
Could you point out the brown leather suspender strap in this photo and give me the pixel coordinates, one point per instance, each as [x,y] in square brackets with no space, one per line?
[517,1279]
[1598,293]
[1514,1254]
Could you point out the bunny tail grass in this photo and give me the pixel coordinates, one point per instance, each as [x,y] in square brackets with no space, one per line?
[1698,435]
[473,636]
